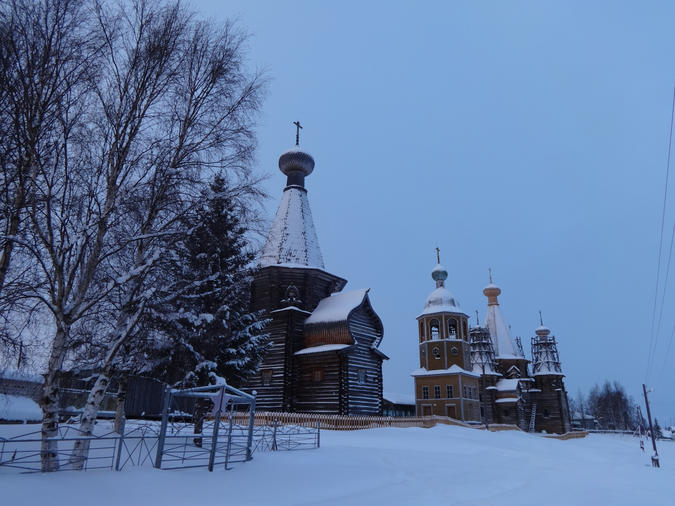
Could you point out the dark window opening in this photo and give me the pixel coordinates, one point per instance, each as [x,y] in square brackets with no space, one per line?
[435,330]
[452,328]
[317,374]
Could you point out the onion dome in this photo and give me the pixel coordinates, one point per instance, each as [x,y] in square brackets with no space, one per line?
[441,300]
[296,164]
[492,291]
[439,274]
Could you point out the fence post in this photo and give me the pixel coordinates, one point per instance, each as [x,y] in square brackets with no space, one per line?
[274,436]
[120,443]
[249,442]
[318,434]
[162,431]
[214,438]
[229,441]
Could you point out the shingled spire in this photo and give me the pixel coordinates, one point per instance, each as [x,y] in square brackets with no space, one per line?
[292,240]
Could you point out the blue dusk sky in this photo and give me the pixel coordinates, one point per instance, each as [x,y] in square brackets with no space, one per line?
[529,137]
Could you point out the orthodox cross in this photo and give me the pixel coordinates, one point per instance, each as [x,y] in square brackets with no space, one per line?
[477,319]
[490,271]
[298,126]
[541,320]
[438,255]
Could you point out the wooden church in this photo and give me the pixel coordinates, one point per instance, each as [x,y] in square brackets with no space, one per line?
[324,352]
[509,394]
[481,374]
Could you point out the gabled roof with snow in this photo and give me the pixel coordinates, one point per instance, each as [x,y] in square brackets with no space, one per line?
[499,331]
[292,240]
[507,385]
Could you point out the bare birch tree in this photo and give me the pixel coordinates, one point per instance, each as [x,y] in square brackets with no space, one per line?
[154,102]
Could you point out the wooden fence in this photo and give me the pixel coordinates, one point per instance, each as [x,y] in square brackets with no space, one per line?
[344,422]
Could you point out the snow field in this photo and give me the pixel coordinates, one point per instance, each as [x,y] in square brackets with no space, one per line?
[442,465]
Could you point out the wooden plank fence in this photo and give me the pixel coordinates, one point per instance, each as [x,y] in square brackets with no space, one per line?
[344,422]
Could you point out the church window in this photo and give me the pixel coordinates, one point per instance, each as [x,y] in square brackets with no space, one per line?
[425,392]
[448,391]
[464,391]
[437,391]
[482,412]
[435,328]
[466,331]
[362,376]
[452,328]
[506,412]
[317,374]
[546,413]
[454,350]
[436,352]
[266,377]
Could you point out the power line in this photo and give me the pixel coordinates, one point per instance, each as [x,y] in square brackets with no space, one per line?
[652,338]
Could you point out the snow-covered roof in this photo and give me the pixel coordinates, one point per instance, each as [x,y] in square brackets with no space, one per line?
[499,331]
[21,376]
[17,408]
[399,398]
[487,369]
[292,238]
[322,348]
[337,307]
[578,416]
[454,369]
[507,385]
[506,400]
[441,301]
[290,308]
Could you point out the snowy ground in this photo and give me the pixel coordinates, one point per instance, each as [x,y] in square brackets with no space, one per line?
[443,465]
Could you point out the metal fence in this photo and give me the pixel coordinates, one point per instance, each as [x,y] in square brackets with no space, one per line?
[184,438]
[109,450]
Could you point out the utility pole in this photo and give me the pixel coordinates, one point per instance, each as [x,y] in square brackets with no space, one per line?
[655,457]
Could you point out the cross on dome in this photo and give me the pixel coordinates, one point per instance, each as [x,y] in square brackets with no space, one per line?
[298,126]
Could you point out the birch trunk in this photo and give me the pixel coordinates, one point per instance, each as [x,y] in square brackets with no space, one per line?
[123,329]
[49,402]
[88,420]
[121,398]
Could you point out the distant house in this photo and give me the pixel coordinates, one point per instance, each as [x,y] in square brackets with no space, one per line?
[398,405]
[583,421]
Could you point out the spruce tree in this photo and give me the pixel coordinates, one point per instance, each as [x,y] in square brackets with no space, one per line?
[204,325]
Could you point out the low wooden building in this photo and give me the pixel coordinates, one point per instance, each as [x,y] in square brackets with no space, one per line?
[323,354]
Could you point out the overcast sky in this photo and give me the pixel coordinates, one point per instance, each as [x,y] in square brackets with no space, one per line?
[529,137]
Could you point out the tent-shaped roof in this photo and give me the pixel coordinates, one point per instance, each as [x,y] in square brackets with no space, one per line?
[292,240]
[499,331]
